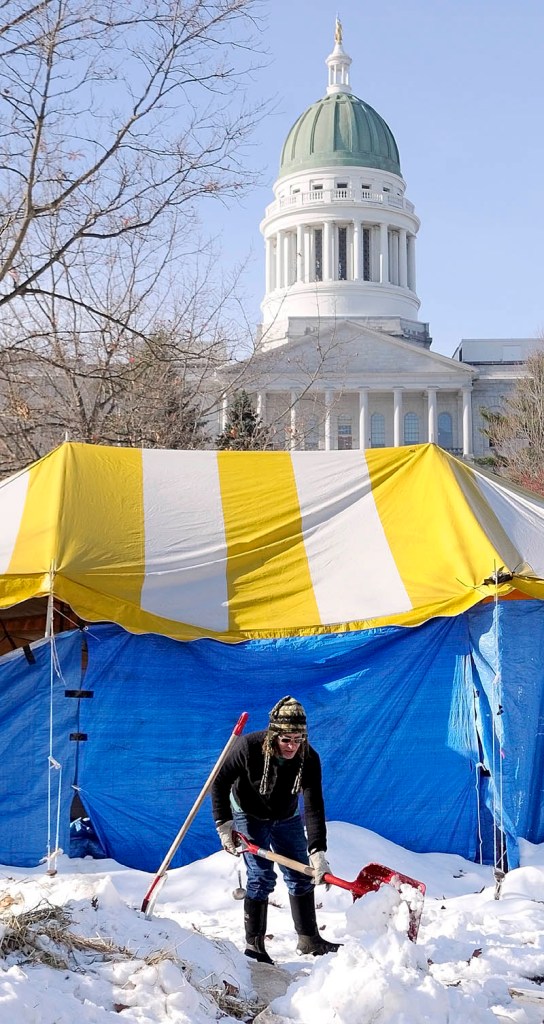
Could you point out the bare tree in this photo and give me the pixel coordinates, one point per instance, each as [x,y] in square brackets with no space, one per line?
[114,119]
[516,434]
[73,374]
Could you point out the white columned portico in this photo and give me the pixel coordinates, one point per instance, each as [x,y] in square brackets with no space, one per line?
[384,254]
[432,416]
[364,432]
[397,417]
[328,405]
[467,422]
[293,397]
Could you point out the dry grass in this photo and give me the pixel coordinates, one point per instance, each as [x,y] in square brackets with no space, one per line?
[43,936]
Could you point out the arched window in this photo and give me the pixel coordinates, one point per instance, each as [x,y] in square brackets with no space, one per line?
[377,430]
[411,428]
[445,430]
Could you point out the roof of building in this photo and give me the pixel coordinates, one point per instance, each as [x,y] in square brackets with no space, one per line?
[340,130]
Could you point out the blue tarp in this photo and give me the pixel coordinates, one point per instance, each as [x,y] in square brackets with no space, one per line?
[29,783]
[395,714]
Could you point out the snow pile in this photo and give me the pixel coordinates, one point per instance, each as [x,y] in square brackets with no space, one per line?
[76,947]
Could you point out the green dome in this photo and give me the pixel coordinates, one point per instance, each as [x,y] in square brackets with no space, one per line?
[339,131]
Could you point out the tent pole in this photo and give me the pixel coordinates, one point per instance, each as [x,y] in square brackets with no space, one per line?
[52,763]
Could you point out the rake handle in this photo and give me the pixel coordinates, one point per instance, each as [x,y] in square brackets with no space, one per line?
[160,877]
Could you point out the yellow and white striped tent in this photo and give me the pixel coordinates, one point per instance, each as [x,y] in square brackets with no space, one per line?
[238,545]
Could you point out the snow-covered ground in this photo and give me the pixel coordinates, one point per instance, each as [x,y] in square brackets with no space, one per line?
[477,960]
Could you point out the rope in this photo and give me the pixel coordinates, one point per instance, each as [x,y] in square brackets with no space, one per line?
[478,815]
[497,751]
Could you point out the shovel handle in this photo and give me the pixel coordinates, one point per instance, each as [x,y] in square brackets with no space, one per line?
[357,888]
[277,858]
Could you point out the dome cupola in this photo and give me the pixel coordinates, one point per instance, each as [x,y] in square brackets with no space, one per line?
[339,130]
[340,234]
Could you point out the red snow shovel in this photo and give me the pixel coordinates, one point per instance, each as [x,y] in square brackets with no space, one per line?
[160,878]
[369,879]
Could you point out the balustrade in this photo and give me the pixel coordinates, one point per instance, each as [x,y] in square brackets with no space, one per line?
[339,195]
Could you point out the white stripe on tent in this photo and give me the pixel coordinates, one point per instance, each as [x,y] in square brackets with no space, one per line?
[521,519]
[352,568]
[12,503]
[185,546]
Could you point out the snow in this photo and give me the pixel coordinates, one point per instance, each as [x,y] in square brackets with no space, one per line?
[477,959]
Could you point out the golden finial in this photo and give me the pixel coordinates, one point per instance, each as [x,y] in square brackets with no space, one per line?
[338,31]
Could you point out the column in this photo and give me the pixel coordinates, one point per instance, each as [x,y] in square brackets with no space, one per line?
[328,405]
[270,264]
[356,250]
[327,250]
[224,413]
[384,254]
[286,258]
[397,417]
[364,423]
[261,405]
[293,421]
[394,257]
[467,423]
[279,259]
[412,262]
[300,252]
[307,255]
[432,416]
[403,259]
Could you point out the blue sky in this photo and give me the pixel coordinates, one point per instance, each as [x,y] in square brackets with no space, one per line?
[460,83]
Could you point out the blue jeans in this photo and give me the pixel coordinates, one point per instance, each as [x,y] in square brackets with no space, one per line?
[286,837]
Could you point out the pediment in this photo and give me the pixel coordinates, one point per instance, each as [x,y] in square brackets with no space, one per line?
[353,355]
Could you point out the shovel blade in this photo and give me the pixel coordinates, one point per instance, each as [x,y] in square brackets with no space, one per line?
[371,877]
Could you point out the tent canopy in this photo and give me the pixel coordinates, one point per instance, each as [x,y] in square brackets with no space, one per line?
[241,545]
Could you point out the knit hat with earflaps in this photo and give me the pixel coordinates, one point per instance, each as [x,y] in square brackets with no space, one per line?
[286,716]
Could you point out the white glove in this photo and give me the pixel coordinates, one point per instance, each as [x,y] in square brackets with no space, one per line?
[228,842]
[320,865]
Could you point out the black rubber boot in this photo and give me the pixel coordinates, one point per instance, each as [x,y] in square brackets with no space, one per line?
[255,914]
[304,920]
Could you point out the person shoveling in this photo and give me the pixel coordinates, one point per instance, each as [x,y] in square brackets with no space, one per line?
[256,793]
[369,879]
[255,801]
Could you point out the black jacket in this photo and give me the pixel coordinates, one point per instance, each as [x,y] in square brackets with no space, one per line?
[242,772]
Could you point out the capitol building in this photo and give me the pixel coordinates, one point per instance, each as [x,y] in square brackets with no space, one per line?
[342,359]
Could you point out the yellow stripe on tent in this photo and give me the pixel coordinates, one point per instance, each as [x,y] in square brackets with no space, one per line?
[268,576]
[439,546]
[100,561]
